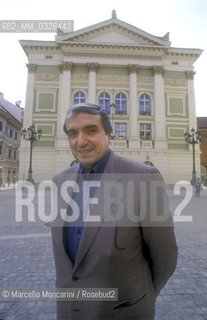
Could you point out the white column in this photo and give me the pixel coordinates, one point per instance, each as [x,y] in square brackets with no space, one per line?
[29,101]
[191,100]
[133,129]
[92,67]
[64,100]
[192,120]
[159,109]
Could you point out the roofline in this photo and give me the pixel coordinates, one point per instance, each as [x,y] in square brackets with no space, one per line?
[11,116]
[53,44]
[34,43]
[186,50]
[60,38]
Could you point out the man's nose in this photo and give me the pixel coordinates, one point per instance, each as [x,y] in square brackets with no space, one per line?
[81,139]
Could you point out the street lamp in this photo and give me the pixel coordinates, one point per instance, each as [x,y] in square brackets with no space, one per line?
[31,135]
[193,138]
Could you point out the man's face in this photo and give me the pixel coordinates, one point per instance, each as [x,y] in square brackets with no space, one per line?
[87,138]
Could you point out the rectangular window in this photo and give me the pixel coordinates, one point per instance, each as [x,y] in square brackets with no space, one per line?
[15,154]
[16,135]
[120,130]
[0,148]
[1,125]
[11,133]
[9,154]
[145,131]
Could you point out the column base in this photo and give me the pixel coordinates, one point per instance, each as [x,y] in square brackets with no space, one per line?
[134,143]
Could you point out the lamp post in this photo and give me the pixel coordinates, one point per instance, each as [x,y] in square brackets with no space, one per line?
[31,135]
[193,138]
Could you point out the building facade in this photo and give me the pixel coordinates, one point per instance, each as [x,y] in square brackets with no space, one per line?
[10,127]
[146,85]
[202,128]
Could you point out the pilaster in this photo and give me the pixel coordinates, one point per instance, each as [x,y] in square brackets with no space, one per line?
[159,109]
[134,140]
[64,101]
[28,111]
[92,67]
[191,100]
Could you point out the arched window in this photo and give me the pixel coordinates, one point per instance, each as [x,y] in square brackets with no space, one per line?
[104,101]
[145,104]
[79,97]
[120,103]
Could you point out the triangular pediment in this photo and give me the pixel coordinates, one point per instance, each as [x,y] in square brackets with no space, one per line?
[113,31]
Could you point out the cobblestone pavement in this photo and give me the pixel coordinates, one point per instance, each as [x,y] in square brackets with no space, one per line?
[26,261]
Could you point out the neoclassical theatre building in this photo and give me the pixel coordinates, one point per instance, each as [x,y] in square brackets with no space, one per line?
[145,85]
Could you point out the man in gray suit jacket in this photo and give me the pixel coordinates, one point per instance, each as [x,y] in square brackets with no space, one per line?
[115,229]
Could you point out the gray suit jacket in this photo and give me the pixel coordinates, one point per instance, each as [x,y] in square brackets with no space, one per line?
[135,252]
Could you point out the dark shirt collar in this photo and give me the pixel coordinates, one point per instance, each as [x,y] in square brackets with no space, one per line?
[99,166]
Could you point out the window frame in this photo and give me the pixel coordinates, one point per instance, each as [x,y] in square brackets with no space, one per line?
[79,98]
[125,130]
[105,99]
[147,110]
[145,130]
[121,99]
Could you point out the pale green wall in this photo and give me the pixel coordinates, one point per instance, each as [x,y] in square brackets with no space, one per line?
[176,106]
[112,71]
[174,75]
[47,69]
[79,70]
[145,73]
[175,146]
[46,101]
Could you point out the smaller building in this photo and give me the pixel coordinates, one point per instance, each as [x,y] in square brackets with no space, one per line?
[202,128]
[10,127]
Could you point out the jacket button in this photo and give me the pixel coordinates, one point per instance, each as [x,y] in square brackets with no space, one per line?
[75,278]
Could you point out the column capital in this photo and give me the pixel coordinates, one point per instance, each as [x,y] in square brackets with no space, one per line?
[158,70]
[65,66]
[190,75]
[133,67]
[92,66]
[31,67]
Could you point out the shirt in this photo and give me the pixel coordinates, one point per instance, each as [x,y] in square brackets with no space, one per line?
[73,232]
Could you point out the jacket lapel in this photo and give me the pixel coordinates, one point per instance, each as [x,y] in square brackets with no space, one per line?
[90,230]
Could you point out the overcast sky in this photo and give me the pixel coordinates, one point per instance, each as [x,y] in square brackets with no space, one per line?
[186,21]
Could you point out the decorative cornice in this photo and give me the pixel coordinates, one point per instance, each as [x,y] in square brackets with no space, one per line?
[92,66]
[158,70]
[126,56]
[31,67]
[190,75]
[65,66]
